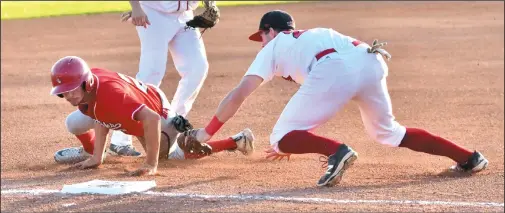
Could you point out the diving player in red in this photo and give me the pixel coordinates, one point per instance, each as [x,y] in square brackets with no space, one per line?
[109,100]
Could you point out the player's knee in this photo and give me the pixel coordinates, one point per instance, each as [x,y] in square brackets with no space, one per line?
[383,138]
[290,136]
[78,123]
[199,64]
[279,138]
[201,69]
[389,137]
[205,66]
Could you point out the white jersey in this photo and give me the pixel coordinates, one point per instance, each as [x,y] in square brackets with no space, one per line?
[171,6]
[292,54]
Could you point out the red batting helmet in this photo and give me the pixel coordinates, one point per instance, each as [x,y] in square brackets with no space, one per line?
[68,73]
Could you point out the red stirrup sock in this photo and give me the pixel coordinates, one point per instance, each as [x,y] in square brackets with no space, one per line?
[87,140]
[217,146]
[302,141]
[422,141]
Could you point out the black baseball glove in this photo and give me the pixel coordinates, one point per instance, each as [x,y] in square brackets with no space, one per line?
[208,19]
[181,124]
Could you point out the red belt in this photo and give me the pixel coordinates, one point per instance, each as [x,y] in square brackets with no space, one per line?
[325,52]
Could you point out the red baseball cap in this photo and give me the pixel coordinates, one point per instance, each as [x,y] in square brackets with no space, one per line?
[276,19]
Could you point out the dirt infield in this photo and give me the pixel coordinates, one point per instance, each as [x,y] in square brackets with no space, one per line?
[446,76]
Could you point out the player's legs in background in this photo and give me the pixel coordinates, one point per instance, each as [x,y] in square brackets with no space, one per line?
[323,94]
[376,112]
[154,45]
[152,66]
[190,60]
[81,126]
[121,144]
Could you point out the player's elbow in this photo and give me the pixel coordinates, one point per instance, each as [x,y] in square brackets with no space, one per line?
[248,85]
[238,96]
[153,117]
[146,114]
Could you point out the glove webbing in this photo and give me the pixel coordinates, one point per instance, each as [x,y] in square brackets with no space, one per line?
[376,48]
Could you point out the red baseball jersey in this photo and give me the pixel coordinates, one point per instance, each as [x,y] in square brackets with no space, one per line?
[117,97]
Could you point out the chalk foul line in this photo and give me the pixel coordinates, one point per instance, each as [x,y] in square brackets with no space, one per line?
[277,198]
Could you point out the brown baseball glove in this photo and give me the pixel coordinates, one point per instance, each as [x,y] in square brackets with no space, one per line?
[377,48]
[208,19]
[188,143]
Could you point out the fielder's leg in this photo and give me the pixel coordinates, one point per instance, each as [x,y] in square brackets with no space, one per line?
[190,60]
[329,86]
[242,141]
[376,112]
[82,127]
[154,45]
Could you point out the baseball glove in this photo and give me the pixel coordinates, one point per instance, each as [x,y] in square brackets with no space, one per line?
[208,19]
[181,124]
[188,143]
[377,48]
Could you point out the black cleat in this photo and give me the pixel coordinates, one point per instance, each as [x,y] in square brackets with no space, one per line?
[337,164]
[476,163]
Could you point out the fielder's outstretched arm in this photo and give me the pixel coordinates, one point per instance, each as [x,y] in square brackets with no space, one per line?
[231,103]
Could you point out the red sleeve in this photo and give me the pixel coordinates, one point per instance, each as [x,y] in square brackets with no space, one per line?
[121,102]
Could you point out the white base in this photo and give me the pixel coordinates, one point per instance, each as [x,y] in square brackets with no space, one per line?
[109,187]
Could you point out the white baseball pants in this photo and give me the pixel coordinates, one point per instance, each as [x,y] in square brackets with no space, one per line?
[332,83]
[167,33]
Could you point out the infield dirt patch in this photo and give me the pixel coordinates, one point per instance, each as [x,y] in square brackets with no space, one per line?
[446,76]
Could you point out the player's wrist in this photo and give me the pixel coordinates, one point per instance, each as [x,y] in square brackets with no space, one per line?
[150,165]
[97,158]
[214,125]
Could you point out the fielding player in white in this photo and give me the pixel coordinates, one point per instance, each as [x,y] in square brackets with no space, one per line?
[161,27]
[332,69]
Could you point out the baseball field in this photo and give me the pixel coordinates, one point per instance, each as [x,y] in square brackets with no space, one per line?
[446,76]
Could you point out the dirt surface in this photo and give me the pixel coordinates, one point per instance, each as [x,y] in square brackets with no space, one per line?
[446,76]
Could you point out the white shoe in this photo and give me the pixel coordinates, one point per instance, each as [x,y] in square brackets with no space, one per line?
[71,155]
[126,150]
[245,141]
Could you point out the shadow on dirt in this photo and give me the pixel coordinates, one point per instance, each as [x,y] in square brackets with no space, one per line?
[134,202]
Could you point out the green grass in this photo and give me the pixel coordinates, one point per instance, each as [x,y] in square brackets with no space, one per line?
[37,9]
